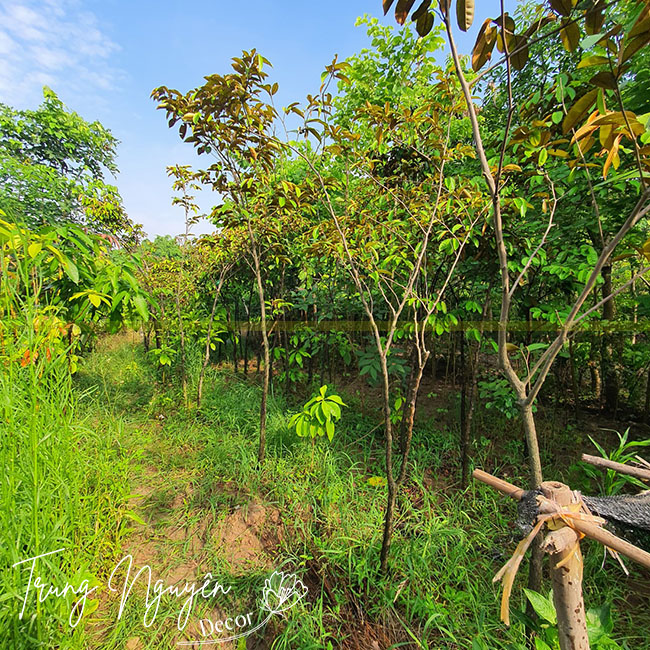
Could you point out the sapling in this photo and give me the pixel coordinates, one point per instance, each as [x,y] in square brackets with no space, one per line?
[318,416]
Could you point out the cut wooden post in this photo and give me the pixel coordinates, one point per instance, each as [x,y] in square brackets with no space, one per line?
[563,546]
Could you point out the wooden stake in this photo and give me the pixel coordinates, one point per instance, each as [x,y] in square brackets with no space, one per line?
[566,573]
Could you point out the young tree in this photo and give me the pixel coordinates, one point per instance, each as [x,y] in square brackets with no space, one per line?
[385,190]
[231,118]
[610,46]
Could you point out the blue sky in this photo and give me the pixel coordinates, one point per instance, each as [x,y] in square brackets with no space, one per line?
[104,58]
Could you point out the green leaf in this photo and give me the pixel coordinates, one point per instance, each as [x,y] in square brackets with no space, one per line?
[589,41]
[542,606]
[594,59]
[543,157]
[71,270]
[335,409]
[140,303]
[329,428]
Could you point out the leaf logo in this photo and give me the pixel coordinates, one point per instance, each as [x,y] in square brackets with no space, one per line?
[281,592]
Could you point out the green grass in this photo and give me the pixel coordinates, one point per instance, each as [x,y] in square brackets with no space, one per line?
[64,486]
[88,447]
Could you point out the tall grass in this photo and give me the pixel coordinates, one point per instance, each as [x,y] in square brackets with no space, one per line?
[62,487]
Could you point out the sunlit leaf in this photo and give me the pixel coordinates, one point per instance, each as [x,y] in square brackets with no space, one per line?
[594,59]
[484,45]
[402,10]
[465,14]
[612,157]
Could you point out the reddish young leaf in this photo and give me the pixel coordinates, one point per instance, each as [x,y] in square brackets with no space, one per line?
[402,10]
[579,109]
[604,79]
[595,19]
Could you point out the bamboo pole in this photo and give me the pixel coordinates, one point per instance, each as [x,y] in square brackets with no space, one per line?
[605,463]
[499,484]
[563,545]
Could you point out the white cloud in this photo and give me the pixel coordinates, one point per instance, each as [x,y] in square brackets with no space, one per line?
[55,43]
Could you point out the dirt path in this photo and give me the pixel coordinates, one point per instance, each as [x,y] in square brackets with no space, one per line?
[182,528]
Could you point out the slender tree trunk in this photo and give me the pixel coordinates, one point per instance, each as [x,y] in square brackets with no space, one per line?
[635,311]
[608,362]
[261,451]
[390,480]
[156,331]
[454,339]
[408,417]
[322,364]
[467,403]
[206,355]
[235,342]
[530,431]
[287,382]
[181,331]
[574,379]
[329,364]
[243,337]
[310,370]
[646,410]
